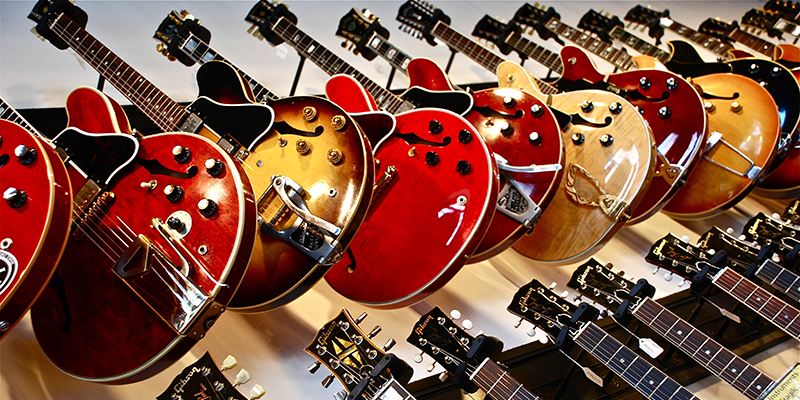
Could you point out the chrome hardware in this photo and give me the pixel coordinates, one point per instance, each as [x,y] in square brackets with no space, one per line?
[587,106]
[664,112]
[644,83]
[615,107]
[752,172]
[672,83]
[537,110]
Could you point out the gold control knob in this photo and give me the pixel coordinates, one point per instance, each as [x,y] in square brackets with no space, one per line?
[334,156]
[303,146]
[309,113]
[736,107]
[338,122]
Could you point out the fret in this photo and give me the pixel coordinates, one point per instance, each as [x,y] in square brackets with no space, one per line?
[753,42]
[780,278]
[498,384]
[712,44]
[617,57]
[8,113]
[395,56]
[637,372]
[642,46]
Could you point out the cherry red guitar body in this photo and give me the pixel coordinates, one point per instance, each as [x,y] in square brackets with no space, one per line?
[144,273]
[33,224]
[674,112]
[428,218]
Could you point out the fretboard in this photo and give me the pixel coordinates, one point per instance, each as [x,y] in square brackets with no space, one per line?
[705,351]
[754,42]
[332,65]
[8,113]
[549,59]
[618,57]
[388,51]
[201,52]
[477,52]
[708,42]
[640,374]
[780,278]
[163,111]
[640,45]
[498,384]
[782,315]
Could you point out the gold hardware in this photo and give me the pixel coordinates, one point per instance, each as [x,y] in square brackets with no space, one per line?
[303,146]
[338,122]
[412,152]
[334,156]
[309,113]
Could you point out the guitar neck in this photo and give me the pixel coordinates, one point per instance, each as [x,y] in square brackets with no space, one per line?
[549,59]
[618,57]
[201,52]
[393,390]
[640,45]
[708,42]
[783,315]
[396,57]
[332,65]
[478,53]
[163,111]
[780,278]
[498,384]
[640,374]
[705,351]
[754,42]
[8,113]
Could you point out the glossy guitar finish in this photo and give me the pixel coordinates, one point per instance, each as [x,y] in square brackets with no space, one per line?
[419,185]
[128,268]
[34,222]
[601,184]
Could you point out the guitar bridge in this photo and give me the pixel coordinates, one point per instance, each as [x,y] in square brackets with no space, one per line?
[292,222]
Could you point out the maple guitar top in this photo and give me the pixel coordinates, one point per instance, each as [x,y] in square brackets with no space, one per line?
[610,158]
[35,218]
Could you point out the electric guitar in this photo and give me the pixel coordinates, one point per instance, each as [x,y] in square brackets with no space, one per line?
[567,324]
[312,143]
[435,171]
[599,191]
[160,241]
[288,273]
[520,129]
[673,109]
[35,215]
[757,20]
[780,236]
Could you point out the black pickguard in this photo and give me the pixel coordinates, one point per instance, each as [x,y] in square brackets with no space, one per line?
[455,101]
[781,86]
[687,63]
[567,85]
[97,156]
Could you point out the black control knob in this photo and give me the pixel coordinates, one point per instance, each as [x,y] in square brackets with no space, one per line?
[176,224]
[25,155]
[606,140]
[15,198]
[535,138]
[463,167]
[173,193]
[587,106]
[207,207]
[214,166]
[672,83]
[435,127]
[664,112]
[464,136]
[776,71]
[509,102]
[181,154]
[431,158]
[506,129]
[578,138]
[754,68]
[644,83]
[537,110]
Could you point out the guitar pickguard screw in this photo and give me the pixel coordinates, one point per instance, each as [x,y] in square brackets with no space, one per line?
[309,113]
[282,142]
[461,200]
[338,122]
[332,192]
[4,326]
[202,250]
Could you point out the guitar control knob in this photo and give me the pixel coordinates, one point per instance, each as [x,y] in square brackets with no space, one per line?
[587,106]
[25,155]
[214,166]
[578,138]
[776,71]
[435,127]
[709,106]
[309,113]
[506,129]
[644,83]
[615,107]
[303,146]
[664,112]
[464,136]
[754,68]
[176,224]
[537,110]
[463,167]
[606,140]
[764,84]
[207,207]
[672,83]
[431,158]
[15,198]
[181,154]
[509,102]
[173,193]
[535,138]
[334,156]
[736,107]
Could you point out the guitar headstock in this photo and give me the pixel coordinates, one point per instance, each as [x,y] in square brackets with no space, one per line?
[599,283]
[786,8]
[438,336]
[792,212]
[773,232]
[46,11]
[263,14]
[740,253]
[600,24]
[536,17]
[352,357]
[203,379]
[762,20]
[419,18]
[654,20]
[496,32]
[175,30]
[357,27]
[538,305]
[718,28]
[680,257]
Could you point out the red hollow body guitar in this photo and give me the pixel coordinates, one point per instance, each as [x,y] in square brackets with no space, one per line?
[34,216]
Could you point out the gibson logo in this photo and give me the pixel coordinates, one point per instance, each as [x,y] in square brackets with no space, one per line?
[323,336]
[180,385]
[421,327]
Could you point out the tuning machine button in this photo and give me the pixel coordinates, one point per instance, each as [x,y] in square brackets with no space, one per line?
[463,167]
[181,154]
[207,207]
[431,158]
[214,166]
[15,198]
[25,155]
[361,317]
[173,193]
[464,136]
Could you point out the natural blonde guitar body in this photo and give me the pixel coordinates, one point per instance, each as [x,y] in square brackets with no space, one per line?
[601,184]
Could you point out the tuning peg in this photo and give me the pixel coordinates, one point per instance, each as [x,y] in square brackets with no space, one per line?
[257,392]
[729,230]
[260,36]
[564,294]
[340,395]
[431,366]
[603,313]
[668,277]
[356,52]
[712,251]
[42,38]
[314,367]
[444,376]
[251,29]
[228,363]
[628,25]
[685,238]
[455,314]
[531,331]
[776,216]
[327,381]
[552,286]
[608,14]
[742,237]
[389,344]
[350,48]
[374,332]
[417,357]
[656,269]
[171,58]
[241,378]
[576,297]
[161,48]
[517,325]
[467,324]
[642,28]
[361,317]
[682,282]
[344,44]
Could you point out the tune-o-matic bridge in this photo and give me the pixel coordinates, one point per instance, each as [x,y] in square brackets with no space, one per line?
[307,232]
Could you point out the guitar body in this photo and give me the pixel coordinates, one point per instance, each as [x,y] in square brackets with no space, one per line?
[427,211]
[29,256]
[753,128]
[680,134]
[112,119]
[599,188]
[504,119]
[280,269]
[429,87]
[103,317]
[784,181]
